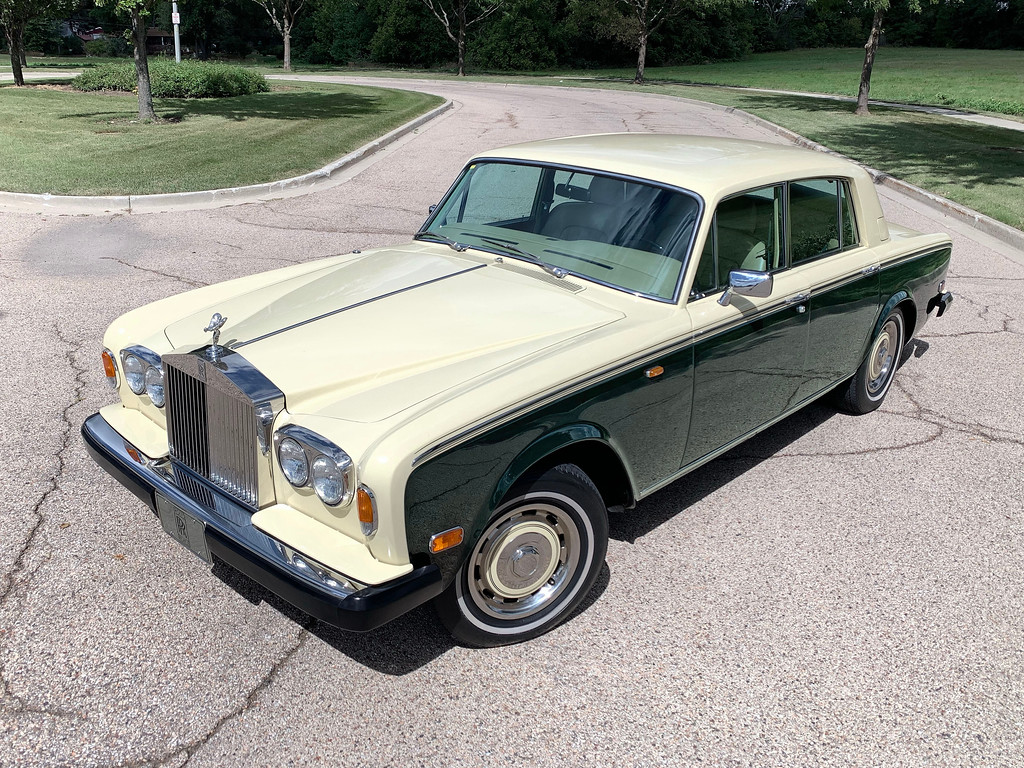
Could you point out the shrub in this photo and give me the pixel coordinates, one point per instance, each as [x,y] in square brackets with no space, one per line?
[204,79]
[187,80]
[106,77]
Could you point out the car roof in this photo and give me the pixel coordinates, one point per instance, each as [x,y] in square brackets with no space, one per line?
[706,165]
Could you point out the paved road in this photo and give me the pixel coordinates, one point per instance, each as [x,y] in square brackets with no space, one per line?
[841,591]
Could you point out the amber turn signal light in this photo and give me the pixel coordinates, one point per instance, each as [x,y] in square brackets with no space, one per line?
[110,368]
[439,542]
[652,373]
[365,503]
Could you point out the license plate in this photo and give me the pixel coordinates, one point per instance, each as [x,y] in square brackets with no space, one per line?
[186,529]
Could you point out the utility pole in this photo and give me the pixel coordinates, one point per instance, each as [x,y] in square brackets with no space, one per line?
[176,20]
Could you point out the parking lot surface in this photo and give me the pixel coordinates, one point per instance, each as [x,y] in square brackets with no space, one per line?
[839,591]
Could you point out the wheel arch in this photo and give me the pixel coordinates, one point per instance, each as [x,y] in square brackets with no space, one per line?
[903,300]
[585,445]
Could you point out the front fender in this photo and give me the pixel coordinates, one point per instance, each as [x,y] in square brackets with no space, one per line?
[543,447]
[464,486]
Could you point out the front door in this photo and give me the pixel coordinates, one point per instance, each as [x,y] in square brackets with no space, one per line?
[750,357]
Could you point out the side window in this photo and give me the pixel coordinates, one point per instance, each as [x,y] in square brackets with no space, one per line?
[820,218]
[749,232]
[500,195]
[850,238]
[705,281]
[746,233]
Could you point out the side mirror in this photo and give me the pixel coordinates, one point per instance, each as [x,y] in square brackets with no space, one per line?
[746,282]
[431,209]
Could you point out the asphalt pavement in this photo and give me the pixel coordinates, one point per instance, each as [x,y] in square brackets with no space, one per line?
[840,591]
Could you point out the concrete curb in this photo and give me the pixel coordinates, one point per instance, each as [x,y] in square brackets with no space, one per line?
[212,198]
[979,221]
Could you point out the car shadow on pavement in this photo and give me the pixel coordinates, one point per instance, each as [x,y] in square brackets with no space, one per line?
[399,647]
[662,506]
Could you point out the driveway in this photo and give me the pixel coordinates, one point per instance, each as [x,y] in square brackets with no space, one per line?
[839,591]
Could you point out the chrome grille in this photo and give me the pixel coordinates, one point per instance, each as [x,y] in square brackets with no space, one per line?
[213,427]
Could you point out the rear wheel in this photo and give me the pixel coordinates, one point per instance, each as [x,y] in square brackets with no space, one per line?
[869,386]
[535,562]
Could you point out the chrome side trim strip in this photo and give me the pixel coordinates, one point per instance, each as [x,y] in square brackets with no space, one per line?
[899,261]
[358,304]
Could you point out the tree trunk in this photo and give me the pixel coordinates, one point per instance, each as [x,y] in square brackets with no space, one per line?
[461,13]
[14,45]
[287,49]
[641,60]
[146,111]
[869,61]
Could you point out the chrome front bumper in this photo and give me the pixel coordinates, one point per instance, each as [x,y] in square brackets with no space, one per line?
[231,538]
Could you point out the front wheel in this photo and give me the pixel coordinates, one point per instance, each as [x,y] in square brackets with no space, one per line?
[869,386]
[534,563]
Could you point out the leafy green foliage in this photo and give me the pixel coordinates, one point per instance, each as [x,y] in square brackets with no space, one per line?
[109,48]
[187,80]
[45,36]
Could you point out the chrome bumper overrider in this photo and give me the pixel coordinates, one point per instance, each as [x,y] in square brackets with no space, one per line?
[234,540]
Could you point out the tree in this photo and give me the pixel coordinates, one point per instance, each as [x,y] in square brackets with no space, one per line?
[871,47]
[646,17]
[14,17]
[139,12]
[283,13]
[458,17]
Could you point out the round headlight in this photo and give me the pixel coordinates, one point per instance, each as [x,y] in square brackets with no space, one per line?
[293,462]
[329,481]
[135,374]
[155,386]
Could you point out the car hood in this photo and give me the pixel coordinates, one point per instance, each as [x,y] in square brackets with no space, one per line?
[367,337]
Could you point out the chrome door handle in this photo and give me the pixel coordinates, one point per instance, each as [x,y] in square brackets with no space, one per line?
[800,298]
[870,270]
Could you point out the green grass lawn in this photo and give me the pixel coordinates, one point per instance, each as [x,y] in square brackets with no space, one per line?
[69,143]
[986,81]
[991,81]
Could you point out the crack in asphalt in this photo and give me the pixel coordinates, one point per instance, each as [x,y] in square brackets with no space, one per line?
[984,311]
[178,278]
[943,421]
[274,208]
[265,225]
[192,748]
[19,575]
[987,278]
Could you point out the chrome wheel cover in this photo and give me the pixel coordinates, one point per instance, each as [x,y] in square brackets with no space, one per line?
[524,561]
[883,357]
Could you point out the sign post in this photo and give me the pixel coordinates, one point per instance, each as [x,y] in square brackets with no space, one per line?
[176,20]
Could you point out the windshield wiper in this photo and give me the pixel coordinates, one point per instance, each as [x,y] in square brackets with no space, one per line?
[437,237]
[508,247]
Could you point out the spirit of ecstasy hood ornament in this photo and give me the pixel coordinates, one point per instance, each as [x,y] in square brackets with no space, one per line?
[216,322]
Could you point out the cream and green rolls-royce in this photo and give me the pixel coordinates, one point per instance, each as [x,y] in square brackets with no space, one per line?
[578,323]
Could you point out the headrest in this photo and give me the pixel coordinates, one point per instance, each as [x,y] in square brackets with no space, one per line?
[607,191]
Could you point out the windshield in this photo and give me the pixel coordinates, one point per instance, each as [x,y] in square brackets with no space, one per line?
[623,233]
